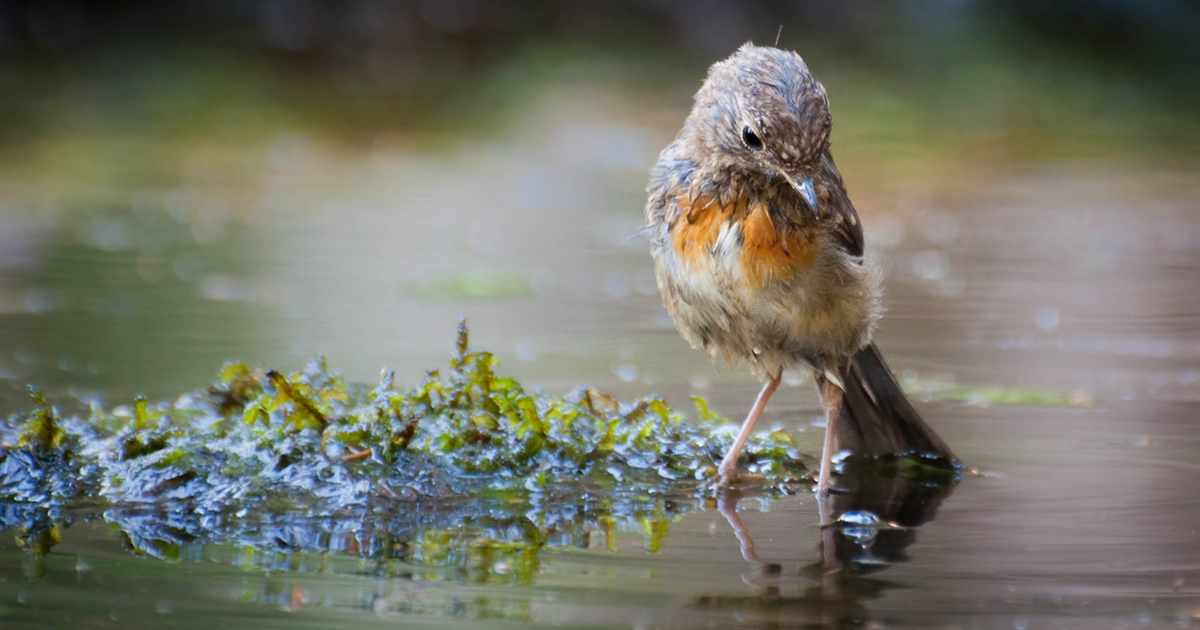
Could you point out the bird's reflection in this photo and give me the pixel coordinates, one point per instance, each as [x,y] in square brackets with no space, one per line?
[869,520]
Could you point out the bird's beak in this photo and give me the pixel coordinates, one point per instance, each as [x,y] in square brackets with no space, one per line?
[804,186]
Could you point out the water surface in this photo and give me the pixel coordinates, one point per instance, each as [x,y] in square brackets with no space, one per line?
[1076,279]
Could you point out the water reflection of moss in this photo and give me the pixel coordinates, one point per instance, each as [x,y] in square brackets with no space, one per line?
[484,540]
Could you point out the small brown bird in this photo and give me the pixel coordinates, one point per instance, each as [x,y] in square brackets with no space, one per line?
[759,255]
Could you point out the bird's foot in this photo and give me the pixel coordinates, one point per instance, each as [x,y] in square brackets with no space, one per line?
[728,475]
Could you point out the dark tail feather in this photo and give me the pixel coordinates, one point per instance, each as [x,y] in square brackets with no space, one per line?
[877,418]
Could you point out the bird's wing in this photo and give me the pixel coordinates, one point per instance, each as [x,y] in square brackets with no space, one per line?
[842,219]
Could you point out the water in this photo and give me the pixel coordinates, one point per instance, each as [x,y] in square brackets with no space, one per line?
[1076,279]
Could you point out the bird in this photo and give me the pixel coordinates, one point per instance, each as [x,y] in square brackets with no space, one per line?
[759,256]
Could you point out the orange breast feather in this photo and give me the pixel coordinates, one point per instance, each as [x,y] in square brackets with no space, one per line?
[694,233]
[766,251]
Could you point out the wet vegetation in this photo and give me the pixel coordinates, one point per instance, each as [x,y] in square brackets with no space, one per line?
[259,439]
[248,458]
[465,476]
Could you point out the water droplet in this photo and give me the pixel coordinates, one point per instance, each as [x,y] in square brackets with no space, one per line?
[859,517]
[860,526]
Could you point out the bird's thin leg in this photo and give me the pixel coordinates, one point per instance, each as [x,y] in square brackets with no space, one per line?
[728,469]
[831,399]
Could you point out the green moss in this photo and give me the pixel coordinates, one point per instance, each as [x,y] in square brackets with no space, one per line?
[40,456]
[41,431]
[261,440]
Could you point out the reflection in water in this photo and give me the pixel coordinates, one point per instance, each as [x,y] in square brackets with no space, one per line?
[429,558]
[434,556]
[496,539]
[868,521]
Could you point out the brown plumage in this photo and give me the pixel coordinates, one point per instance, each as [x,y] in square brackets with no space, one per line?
[759,253]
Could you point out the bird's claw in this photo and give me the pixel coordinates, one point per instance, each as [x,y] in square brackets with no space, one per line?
[728,476]
[721,482]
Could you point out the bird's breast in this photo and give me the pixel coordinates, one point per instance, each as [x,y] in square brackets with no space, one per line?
[740,239]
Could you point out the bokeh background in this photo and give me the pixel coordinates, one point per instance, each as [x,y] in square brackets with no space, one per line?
[187,182]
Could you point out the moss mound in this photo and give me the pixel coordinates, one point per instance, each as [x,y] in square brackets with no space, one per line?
[263,440]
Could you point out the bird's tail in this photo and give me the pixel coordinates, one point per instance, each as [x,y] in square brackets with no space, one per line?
[877,419]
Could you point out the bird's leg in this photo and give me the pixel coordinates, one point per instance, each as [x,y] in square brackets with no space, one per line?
[831,400]
[728,470]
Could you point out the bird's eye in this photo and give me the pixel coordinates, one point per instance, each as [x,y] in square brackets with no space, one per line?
[751,140]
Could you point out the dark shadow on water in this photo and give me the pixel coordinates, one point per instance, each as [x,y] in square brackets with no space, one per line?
[869,521]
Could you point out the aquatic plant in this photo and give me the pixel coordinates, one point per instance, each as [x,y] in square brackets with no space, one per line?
[465,476]
[263,440]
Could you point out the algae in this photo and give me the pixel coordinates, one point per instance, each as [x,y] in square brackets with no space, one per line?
[262,440]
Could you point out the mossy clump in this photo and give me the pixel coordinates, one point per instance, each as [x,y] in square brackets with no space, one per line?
[260,439]
[39,460]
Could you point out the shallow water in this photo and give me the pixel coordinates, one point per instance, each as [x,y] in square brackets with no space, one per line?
[1076,279]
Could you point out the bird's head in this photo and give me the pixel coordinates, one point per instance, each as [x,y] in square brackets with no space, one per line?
[760,111]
